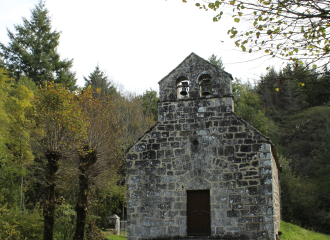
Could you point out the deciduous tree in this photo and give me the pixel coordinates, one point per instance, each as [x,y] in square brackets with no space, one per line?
[150,103]
[17,124]
[99,155]
[62,127]
[247,106]
[296,30]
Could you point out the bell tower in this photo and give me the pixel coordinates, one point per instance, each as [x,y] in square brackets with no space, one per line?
[193,87]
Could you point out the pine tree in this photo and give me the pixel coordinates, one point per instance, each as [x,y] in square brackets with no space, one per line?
[32,51]
[216,61]
[97,79]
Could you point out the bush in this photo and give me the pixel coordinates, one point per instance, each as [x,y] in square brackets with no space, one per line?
[65,226]
[93,232]
[16,224]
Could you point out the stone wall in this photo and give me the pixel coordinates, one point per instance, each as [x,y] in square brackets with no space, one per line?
[276,196]
[200,144]
[232,160]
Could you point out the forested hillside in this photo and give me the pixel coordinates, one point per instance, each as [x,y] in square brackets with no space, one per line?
[61,147]
[292,107]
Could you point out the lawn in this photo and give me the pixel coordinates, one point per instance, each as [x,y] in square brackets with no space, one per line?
[290,232]
[114,237]
[293,232]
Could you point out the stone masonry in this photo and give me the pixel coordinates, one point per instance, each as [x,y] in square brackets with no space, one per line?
[199,143]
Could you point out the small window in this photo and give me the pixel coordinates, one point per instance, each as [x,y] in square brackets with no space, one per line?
[183,85]
[205,85]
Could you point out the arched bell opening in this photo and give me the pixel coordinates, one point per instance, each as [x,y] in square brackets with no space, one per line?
[205,85]
[182,85]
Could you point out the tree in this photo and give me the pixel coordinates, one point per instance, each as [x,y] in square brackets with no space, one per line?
[32,51]
[99,153]
[247,106]
[17,124]
[150,103]
[216,61]
[16,160]
[61,125]
[97,80]
[134,119]
[296,30]
[292,89]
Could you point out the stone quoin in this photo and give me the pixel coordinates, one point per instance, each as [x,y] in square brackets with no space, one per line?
[201,171]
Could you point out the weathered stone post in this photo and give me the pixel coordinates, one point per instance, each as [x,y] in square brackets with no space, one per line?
[115,220]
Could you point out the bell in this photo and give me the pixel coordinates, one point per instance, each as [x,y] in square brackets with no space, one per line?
[206,83]
[184,89]
[206,91]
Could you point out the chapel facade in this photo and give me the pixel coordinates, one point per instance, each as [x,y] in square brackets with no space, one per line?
[201,171]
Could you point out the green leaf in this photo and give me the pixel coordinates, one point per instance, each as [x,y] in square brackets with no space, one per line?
[236,20]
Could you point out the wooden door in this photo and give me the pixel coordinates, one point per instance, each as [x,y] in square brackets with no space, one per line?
[198,213]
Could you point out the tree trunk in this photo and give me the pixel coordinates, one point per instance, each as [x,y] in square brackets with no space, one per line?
[85,162]
[53,158]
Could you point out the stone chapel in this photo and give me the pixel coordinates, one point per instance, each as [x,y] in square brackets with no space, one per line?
[201,172]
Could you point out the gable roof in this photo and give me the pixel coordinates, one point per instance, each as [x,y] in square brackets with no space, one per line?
[202,59]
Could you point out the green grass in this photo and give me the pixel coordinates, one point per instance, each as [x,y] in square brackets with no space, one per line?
[293,232]
[290,232]
[114,237]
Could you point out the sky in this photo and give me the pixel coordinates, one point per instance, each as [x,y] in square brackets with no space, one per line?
[136,42]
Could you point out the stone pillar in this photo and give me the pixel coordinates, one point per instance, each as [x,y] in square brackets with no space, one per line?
[115,220]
